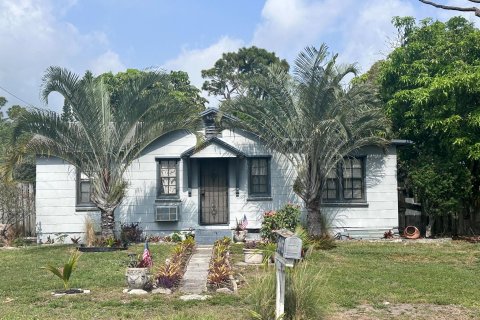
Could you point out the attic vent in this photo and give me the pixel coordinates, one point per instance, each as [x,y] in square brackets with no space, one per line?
[211,131]
[166,213]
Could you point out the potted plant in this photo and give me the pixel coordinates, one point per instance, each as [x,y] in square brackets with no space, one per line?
[137,275]
[252,253]
[240,230]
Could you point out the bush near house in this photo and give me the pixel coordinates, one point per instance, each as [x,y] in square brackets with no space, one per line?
[287,217]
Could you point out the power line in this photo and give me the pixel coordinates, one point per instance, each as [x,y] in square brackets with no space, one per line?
[17,97]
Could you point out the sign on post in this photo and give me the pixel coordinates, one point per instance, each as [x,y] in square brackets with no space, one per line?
[289,249]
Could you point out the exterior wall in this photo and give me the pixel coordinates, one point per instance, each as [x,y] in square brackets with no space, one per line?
[381,208]
[56,194]
[55,200]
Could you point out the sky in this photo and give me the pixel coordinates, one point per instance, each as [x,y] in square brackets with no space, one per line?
[188,35]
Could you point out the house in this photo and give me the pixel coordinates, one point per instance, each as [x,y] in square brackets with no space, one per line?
[176,185]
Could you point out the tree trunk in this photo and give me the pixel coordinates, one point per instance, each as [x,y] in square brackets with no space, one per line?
[314,220]
[429,231]
[107,223]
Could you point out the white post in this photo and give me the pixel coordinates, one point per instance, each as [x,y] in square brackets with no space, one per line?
[280,297]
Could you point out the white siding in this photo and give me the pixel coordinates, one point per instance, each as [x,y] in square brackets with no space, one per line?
[55,200]
[56,189]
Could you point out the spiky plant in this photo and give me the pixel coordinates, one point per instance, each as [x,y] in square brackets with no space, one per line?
[103,139]
[313,119]
[66,271]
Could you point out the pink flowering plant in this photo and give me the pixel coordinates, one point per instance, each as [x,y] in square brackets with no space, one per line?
[287,217]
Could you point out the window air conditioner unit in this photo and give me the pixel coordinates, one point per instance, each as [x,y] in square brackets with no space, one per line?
[166,213]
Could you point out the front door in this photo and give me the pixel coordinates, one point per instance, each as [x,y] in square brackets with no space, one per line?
[213,191]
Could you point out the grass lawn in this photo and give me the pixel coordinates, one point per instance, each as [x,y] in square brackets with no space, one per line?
[354,274]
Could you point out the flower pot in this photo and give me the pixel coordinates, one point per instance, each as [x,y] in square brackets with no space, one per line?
[252,256]
[137,278]
[239,236]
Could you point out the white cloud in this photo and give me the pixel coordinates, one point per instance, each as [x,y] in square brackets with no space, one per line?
[288,26]
[33,37]
[107,62]
[194,61]
[368,32]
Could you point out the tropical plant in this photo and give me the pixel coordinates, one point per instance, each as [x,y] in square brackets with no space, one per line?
[313,119]
[287,217]
[104,138]
[169,274]
[68,268]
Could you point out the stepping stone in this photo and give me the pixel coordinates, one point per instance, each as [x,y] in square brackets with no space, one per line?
[161,291]
[190,297]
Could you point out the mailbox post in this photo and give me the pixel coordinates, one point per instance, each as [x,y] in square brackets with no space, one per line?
[289,249]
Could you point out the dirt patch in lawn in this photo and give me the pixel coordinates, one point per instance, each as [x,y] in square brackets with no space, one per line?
[407,311]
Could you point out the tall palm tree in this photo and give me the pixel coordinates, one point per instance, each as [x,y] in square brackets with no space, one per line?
[314,120]
[103,139]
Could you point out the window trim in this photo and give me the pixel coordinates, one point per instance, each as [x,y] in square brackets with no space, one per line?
[78,182]
[158,196]
[340,189]
[256,195]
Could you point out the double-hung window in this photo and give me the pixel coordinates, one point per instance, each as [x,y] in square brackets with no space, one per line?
[259,177]
[84,192]
[167,178]
[347,182]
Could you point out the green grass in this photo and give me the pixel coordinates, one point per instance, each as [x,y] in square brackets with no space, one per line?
[355,273]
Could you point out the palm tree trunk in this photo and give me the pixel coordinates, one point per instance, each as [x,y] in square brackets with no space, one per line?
[107,223]
[314,219]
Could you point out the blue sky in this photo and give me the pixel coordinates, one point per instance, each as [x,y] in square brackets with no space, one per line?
[189,35]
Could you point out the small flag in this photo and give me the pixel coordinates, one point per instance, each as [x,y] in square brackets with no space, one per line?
[146,258]
[244,222]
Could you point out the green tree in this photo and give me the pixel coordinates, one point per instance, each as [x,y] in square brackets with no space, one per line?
[104,139]
[177,86]
[314,120]
[229,75]
[432,88]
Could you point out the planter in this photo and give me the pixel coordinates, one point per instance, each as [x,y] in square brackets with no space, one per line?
[253,256]
[137,278]
[100,249]
[239,236]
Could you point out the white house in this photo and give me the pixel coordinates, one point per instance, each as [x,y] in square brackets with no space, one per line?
[174,185]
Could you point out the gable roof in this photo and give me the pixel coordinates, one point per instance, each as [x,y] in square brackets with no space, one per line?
[229,150]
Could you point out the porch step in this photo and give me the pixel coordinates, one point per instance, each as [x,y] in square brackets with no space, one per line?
[208,236]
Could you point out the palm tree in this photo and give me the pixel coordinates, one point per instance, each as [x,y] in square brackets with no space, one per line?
[103,139]
[314,120]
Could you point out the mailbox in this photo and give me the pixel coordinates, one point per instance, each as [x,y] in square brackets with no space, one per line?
[289,246]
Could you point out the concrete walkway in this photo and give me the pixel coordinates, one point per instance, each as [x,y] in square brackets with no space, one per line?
[195,278]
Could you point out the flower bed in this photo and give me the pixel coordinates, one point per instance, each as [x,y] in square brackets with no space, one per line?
[171,272]
[220,273]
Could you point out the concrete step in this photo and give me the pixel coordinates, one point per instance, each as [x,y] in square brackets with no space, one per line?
[209,236]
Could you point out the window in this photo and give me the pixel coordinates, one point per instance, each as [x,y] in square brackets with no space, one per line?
[259,177]
[84,192]
[167,177]
[347,182]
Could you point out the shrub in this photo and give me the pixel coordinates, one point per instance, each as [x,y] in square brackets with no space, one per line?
[287,217]
[169,274]
[219,274]
[131,233]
